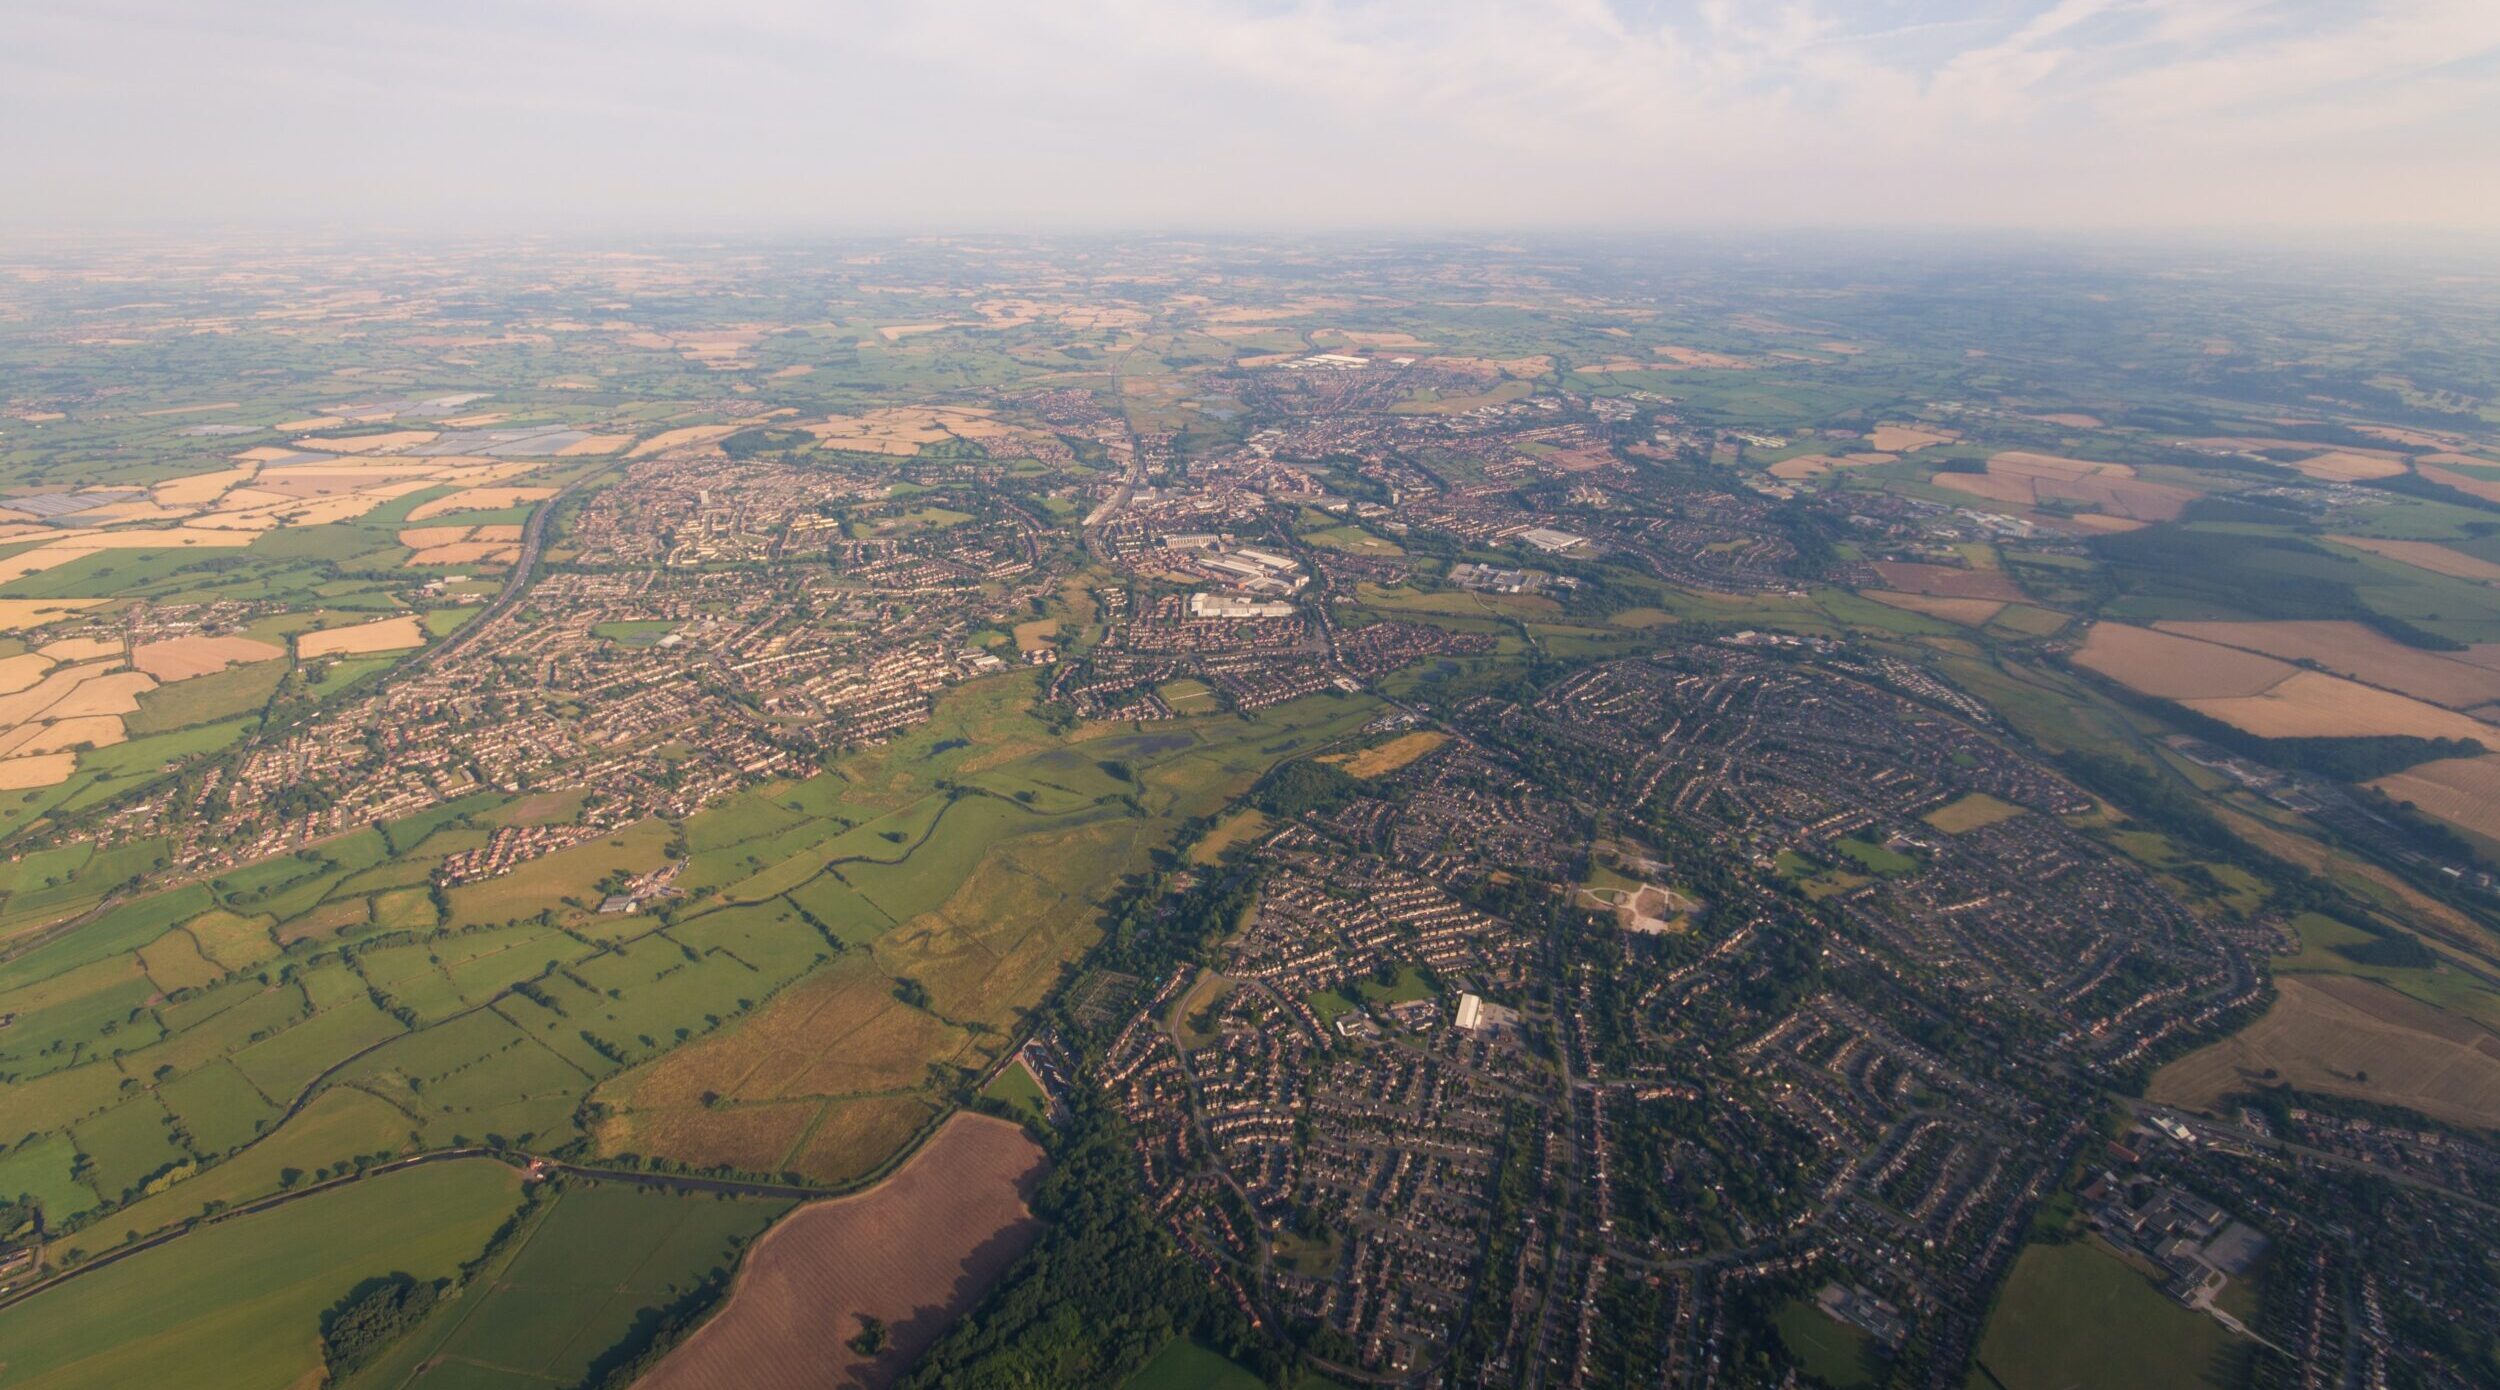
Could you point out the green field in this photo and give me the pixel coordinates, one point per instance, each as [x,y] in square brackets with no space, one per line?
[1874,857]
[1831,1351]
[1187,1365]
[2052,1329]
[571,1285]
[171,1316]
[633,632]
[1015,1087]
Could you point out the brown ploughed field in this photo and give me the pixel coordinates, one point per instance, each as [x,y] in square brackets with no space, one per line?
[914,1251]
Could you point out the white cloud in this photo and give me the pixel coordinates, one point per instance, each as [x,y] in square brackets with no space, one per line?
[783,114]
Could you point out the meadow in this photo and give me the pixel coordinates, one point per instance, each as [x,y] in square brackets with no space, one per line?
[574,1285]
[169,1316]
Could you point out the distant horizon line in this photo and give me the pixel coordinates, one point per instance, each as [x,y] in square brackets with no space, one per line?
[1480,235]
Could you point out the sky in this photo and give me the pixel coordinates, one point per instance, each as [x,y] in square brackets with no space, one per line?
[822,116]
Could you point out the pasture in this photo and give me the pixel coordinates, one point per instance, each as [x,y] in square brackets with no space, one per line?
[594,1258]
[170,1316]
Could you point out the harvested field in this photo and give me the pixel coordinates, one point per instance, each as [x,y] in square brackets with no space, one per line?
[468,552]
[82,648]
[113,693]
[1685,357]
[903,430]
[1969,612]
[2178,668]
[681,438]
[200,489]
[2363,653]
[1396,753]
[1945,581]
[2350,466]
[43,770]
[2035,479]
[181,658]
[2426,555]
[914,1251]
[1904,439]
[22,670]
[383,635]
[1364,339]
[20,613]
[369,443]
[77,545]
[2312,704]
[62,735]
[1815,465]
[2466,483]
[2095,522]
[64,692]
[480,499]
[2347,1036]
[2465,792]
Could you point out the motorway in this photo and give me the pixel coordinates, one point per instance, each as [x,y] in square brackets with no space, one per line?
[533,541]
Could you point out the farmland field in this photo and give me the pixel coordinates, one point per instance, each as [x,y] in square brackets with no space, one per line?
[2457,680]
[1945,581]
[910,1251]
[1971,612]
[2312,704]
[1828,821]
[2351,1037]
[2465,792]
[596,1258]
[2175,667]
[168,1317]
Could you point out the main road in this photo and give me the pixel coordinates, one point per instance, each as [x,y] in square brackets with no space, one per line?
[533,540]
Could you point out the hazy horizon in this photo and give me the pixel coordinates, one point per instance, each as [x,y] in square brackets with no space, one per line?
[1396,116]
